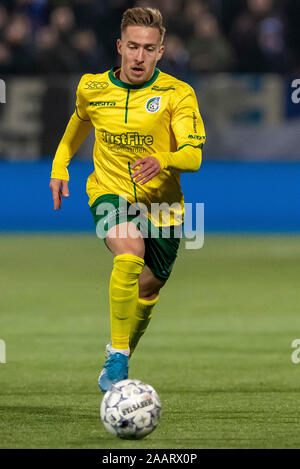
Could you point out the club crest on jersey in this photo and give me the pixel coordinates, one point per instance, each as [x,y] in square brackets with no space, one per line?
[153,104]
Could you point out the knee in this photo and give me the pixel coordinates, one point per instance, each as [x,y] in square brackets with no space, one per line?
[149,291]
[134,251]
[138,251]
[149,297]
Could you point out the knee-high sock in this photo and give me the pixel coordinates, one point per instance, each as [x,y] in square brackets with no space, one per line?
[123,296]
[140,321]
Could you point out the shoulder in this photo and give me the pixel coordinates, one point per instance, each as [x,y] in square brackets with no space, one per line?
[91,81]
[168,82]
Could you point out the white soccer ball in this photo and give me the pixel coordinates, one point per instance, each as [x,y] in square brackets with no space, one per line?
[131,410]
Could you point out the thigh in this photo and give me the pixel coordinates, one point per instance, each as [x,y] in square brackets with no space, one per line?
[116,227]
[125,238]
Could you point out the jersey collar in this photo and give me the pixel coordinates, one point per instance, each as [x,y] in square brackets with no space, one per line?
[122,84]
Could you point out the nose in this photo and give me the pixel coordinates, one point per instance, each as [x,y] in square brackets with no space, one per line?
[140,56]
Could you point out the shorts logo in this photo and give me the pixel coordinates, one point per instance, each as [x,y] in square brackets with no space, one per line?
[153,104]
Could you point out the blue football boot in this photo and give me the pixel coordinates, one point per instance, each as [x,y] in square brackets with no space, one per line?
[114,370]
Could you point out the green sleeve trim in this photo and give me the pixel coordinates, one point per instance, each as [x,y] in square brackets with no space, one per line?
[84,120]
[190,145]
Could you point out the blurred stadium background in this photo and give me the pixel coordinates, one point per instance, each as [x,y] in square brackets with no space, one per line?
[241,57]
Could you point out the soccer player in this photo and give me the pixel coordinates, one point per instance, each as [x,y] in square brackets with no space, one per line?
[148,130]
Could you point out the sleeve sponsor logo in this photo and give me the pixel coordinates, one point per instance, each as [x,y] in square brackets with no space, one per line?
[196,137]
[195,122]
[153,104]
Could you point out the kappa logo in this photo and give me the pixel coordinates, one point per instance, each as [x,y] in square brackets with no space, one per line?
[96,85]
[153,104]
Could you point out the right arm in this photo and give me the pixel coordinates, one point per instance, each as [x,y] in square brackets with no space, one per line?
[77,130]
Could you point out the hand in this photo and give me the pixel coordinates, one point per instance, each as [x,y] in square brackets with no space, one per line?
[59,188]
[149,168]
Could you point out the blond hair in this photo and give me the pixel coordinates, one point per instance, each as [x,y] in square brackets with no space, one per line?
[138,16]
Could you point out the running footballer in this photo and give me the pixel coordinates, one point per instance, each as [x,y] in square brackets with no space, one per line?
[148,130]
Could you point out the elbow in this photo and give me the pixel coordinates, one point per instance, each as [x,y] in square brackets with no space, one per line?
[198,164]
[198,160]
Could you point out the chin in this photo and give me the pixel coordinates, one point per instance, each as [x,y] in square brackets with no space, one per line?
[137,80]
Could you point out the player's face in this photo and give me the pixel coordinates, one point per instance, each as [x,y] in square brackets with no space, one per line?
[140,48]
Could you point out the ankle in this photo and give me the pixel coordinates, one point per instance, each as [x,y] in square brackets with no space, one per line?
[123,351]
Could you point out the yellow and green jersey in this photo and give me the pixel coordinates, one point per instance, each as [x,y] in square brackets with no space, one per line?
[159,118]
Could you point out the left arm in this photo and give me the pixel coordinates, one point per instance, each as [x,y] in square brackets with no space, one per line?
[186,160]
[188,128]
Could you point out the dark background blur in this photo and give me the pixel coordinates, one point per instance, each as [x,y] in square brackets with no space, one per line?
[242,58]
[248,36]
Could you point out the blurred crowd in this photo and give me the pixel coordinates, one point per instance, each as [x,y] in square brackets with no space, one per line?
[203,36]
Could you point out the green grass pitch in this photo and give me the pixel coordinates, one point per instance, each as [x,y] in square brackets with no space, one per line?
[218,350]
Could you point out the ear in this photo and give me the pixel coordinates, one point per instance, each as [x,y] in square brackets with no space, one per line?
[119,46]
[161,51]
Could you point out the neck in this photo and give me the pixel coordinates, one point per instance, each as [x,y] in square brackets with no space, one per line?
[116,77]
[120,74]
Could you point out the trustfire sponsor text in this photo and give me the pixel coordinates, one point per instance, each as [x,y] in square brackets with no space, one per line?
[127,138]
